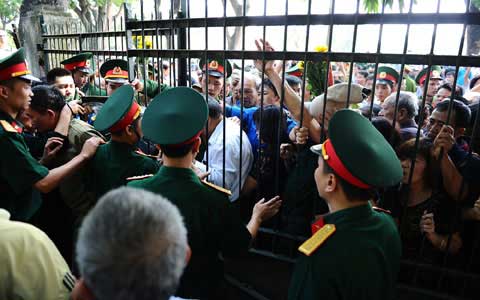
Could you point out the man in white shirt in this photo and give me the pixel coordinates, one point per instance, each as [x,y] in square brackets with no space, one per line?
[233,172]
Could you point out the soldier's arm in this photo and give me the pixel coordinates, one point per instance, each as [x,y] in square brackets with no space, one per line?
[64,121]
[151,88]
[56,175]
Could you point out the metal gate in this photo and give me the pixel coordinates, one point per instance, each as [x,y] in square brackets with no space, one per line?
[172,42]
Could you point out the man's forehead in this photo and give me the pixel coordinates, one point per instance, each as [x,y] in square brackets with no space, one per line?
[63,79]
[441,116]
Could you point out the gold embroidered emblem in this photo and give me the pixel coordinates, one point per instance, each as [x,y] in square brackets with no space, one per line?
[382,75]
[87,63]
[435,73]
[117,71]
[213,65]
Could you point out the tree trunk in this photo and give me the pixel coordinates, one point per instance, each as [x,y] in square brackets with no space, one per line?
[234,40]
[32,13]
[473,35]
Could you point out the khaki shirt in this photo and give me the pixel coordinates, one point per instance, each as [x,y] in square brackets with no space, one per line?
[73,189]
[31,266]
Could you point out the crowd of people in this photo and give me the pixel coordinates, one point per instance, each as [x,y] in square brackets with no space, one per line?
[198,160]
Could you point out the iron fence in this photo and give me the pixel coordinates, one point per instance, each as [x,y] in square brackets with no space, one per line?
[169,41]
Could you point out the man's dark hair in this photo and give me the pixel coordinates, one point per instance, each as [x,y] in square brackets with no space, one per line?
[363,73]
[449,87]
[462,112]
[46,97]
[390,133]
[57,72]
[270,85]
[474,80]
[293,80]
[9,83]
[175,151]
[214,108]
[267,121]
[408,151]
[351,191]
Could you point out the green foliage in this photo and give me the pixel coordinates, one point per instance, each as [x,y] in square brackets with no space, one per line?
[476,3]
[316,74]
[375,5]
[9,10]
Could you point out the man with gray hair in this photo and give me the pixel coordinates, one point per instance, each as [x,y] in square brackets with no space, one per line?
[407,110]
[132,245]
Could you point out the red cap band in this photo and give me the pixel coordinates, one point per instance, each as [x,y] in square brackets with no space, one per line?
[116,73]
[77,64]
[127,119]
[14,71]
[189,141]
[332,159]
[215,66]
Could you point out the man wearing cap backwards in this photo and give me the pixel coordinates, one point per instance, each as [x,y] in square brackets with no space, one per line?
[213,225]
[433,84]
[21,176]
[118,159]
[216,73]
[79,65]
[353,246]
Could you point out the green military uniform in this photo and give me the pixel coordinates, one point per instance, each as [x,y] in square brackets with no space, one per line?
[32,267]
[360,257]
[114,162]
[19,171]
[93,90]
[213,225]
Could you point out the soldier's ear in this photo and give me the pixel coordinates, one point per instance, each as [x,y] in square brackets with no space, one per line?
[196,145]
[4,90]
[332,183]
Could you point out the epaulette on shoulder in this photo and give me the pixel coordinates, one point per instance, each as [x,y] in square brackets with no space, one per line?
[386,211]
[147,155]
[7,126]
[216,187]
[312,244]
[139,177]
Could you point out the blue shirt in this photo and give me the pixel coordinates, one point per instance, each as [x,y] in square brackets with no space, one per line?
[249,126]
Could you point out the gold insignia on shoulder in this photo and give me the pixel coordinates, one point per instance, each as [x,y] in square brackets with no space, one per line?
[147,155]
[382,75]
[139,177]
[312,244]
[117,71]
[213,65]
[216,187]
[7,126]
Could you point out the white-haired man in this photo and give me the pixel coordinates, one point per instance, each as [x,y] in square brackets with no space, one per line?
[132,245]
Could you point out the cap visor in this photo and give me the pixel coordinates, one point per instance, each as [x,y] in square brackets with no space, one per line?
[117,80]
[85,70]
[30,77]
[214,74]
[317,149]
[381,81]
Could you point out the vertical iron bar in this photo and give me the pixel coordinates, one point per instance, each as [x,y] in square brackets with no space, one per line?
[224,89]
[305,64]
[144,47]
[181,44]
[354,43]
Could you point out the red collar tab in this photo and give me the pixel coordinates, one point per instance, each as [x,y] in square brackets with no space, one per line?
[78,64]
[127,119]
[317,225]
[332,159]
[14,71]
